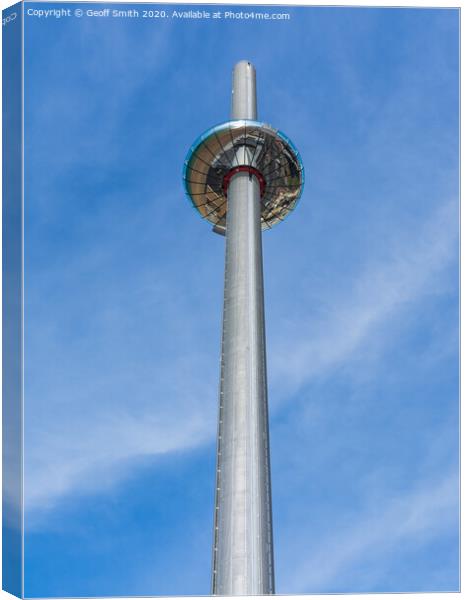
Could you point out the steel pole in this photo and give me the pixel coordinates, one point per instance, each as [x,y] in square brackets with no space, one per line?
[243,547]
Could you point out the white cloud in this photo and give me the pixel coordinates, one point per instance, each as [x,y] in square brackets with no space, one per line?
[86,436]
[77,456]
[388,285]
[413,517]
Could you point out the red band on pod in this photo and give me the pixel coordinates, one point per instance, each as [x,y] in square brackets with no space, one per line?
[247,169]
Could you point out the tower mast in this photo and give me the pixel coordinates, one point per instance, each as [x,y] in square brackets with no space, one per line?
[243,176]
[243,549]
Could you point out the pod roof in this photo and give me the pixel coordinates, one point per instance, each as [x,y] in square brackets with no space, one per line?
[243,145]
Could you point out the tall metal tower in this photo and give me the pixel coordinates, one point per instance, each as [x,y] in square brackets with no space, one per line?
[243,176]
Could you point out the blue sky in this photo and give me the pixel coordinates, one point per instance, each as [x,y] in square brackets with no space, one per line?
[124,295]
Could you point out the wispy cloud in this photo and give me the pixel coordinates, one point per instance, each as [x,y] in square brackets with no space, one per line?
[409,270]
[412,517]
[75,453]
[82,461]
[132,377]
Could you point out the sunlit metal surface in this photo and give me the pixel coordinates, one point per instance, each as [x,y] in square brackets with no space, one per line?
[243,544]
[243,176]
[269,152]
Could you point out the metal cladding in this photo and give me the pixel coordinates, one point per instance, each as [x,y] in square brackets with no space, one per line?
[214,156]
[243,541]
[243,176]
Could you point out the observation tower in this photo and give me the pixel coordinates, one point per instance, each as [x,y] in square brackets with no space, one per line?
[243,176]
